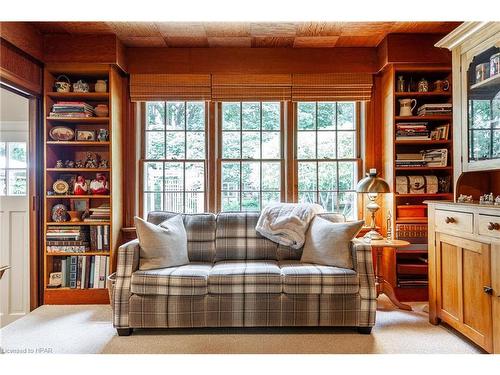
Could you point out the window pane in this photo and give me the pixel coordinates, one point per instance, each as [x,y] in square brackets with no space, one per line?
[271,176]
[481,142]
[345,115]
[271,116]
[231,116]
[174,202]
[231,145]
[307,176]
[306,116]
[195,144]
[174,177]
[153,176]
[328,200]
[306,145]
[347,175]
[251,145]
[326,116]
[250,116]
[271,145]
[345,145]
[153,202]
[481,112]
[155,115]
[176,115]
[3,184]
[17,182]
[347,204]
[155,145]
[326,145]
[196,116]
[230,201]
[17,154]
[195,177]
[250,201]
[269,197]
[3,156]
[307,197]
[496,143]
[250,176]
[195,203]
[175,145]
[230,176]
[327,174]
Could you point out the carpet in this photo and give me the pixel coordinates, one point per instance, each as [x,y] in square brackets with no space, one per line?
[87,329]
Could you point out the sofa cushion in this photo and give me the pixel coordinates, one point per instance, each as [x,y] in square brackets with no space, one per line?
[237,239]
[188,280]
[306,278]
[200,230]
[251,276]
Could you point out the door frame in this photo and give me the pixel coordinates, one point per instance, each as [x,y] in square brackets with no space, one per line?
[35,142]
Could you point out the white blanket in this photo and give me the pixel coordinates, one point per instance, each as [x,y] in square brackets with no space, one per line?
[287,223]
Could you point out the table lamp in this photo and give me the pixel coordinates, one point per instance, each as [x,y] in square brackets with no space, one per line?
[372,185]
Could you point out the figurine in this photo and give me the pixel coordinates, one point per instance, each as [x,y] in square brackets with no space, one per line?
[102,135]
[423,85]
[79,164]
[59,213]
[80,186]
[59,164]
[92,160]
[464,198]
[497,200]
[69,164]
[103,163]
[100,185]
[486,199]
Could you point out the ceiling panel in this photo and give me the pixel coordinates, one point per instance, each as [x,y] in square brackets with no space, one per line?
[318,28]
[273,29]
[315,42]
[230,41]
[223,29]
[186,41]
[181,29]
[144,41]
[134,29]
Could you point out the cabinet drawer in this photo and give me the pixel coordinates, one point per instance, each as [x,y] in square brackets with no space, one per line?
[454,221]
[489,225]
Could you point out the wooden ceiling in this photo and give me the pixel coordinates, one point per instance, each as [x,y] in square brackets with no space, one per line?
[247,34]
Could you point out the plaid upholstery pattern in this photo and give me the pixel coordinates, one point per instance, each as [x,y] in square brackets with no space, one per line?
[200,230]
[188,280]
[307,278]
[237,239]
[363,265]
[233,277]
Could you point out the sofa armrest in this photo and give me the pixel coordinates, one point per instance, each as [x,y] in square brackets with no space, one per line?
[127,263]
[363,265]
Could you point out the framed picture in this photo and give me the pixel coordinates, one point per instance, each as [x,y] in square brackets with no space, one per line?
[85,135]
[80,204]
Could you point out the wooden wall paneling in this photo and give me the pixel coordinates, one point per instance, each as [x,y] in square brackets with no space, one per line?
[251,60]
[19,70]
[495,283]
[24,36]
[416,48]
[121,59]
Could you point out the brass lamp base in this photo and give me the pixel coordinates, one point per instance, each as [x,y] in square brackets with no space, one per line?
[373,235]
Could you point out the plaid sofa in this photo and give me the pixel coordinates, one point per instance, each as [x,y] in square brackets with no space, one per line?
[237,278]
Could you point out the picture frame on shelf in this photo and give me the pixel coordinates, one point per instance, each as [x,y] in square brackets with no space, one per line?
[80,204]
[85,135]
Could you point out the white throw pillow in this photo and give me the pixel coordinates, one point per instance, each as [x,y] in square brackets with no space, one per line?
[163,245]
[328,243]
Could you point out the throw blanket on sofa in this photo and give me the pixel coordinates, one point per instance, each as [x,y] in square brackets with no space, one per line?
[287,223]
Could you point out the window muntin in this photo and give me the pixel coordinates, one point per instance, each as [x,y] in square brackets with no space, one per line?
[326,154]
[13,169]
[174,165]
[251,155]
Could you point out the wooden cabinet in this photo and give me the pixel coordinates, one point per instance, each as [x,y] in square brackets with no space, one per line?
[464,272]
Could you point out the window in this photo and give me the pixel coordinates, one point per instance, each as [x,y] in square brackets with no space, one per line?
[13,169]
[327,155]
[174,157]
[251,155]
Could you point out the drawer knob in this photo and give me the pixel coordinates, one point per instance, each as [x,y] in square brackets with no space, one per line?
[449,220]
[488,290]
[493,226]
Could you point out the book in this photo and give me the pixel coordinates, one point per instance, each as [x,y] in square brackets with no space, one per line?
[92,270]
[106,238]
[79,273]
[99,237]
[87,271]
[64,272]
[97,266]
[102,272]
[73,271]
[84,272]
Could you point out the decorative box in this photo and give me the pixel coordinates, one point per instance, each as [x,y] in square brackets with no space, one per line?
[416,184]
[410,210]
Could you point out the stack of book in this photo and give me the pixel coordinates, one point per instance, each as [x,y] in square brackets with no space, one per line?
[67,239]
[84,272]
[412,130]
[101,213]
[435,109]
[99,237]
[72,109]
[436,157]
[410,160]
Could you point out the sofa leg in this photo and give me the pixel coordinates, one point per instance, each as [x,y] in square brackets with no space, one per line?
[124,331]
[365,330]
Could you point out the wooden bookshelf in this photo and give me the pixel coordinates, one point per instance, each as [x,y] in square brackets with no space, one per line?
[110,150]
[394,146]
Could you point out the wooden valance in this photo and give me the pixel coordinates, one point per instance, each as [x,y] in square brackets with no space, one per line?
[332,87]
[151,87]
[258,87]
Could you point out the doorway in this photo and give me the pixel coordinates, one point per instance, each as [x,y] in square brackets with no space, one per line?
[15,212]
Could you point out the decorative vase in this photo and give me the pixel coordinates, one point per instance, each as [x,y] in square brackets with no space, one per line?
[101,110]
[406,108]
[101,86]
[74,216]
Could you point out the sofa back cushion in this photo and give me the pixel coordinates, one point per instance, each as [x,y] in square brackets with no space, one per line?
[237,239]
[200,231]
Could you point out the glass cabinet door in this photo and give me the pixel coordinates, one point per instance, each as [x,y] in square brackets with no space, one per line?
[483,106]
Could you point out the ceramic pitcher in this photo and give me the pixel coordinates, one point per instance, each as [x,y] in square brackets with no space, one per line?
[406,108]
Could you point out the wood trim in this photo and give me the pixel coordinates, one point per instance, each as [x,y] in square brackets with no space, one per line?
[141,160]
[291,164]
[218,156]
[212,184]
[24,36]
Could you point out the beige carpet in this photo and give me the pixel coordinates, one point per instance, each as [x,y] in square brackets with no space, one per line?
[87,329]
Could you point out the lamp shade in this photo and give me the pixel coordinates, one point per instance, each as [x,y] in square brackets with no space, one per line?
[372,184]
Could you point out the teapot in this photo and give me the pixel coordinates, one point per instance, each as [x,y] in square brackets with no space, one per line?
[406,108]
[62,86]
[441,85]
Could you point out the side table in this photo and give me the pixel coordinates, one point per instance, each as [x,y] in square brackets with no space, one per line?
[378,246]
